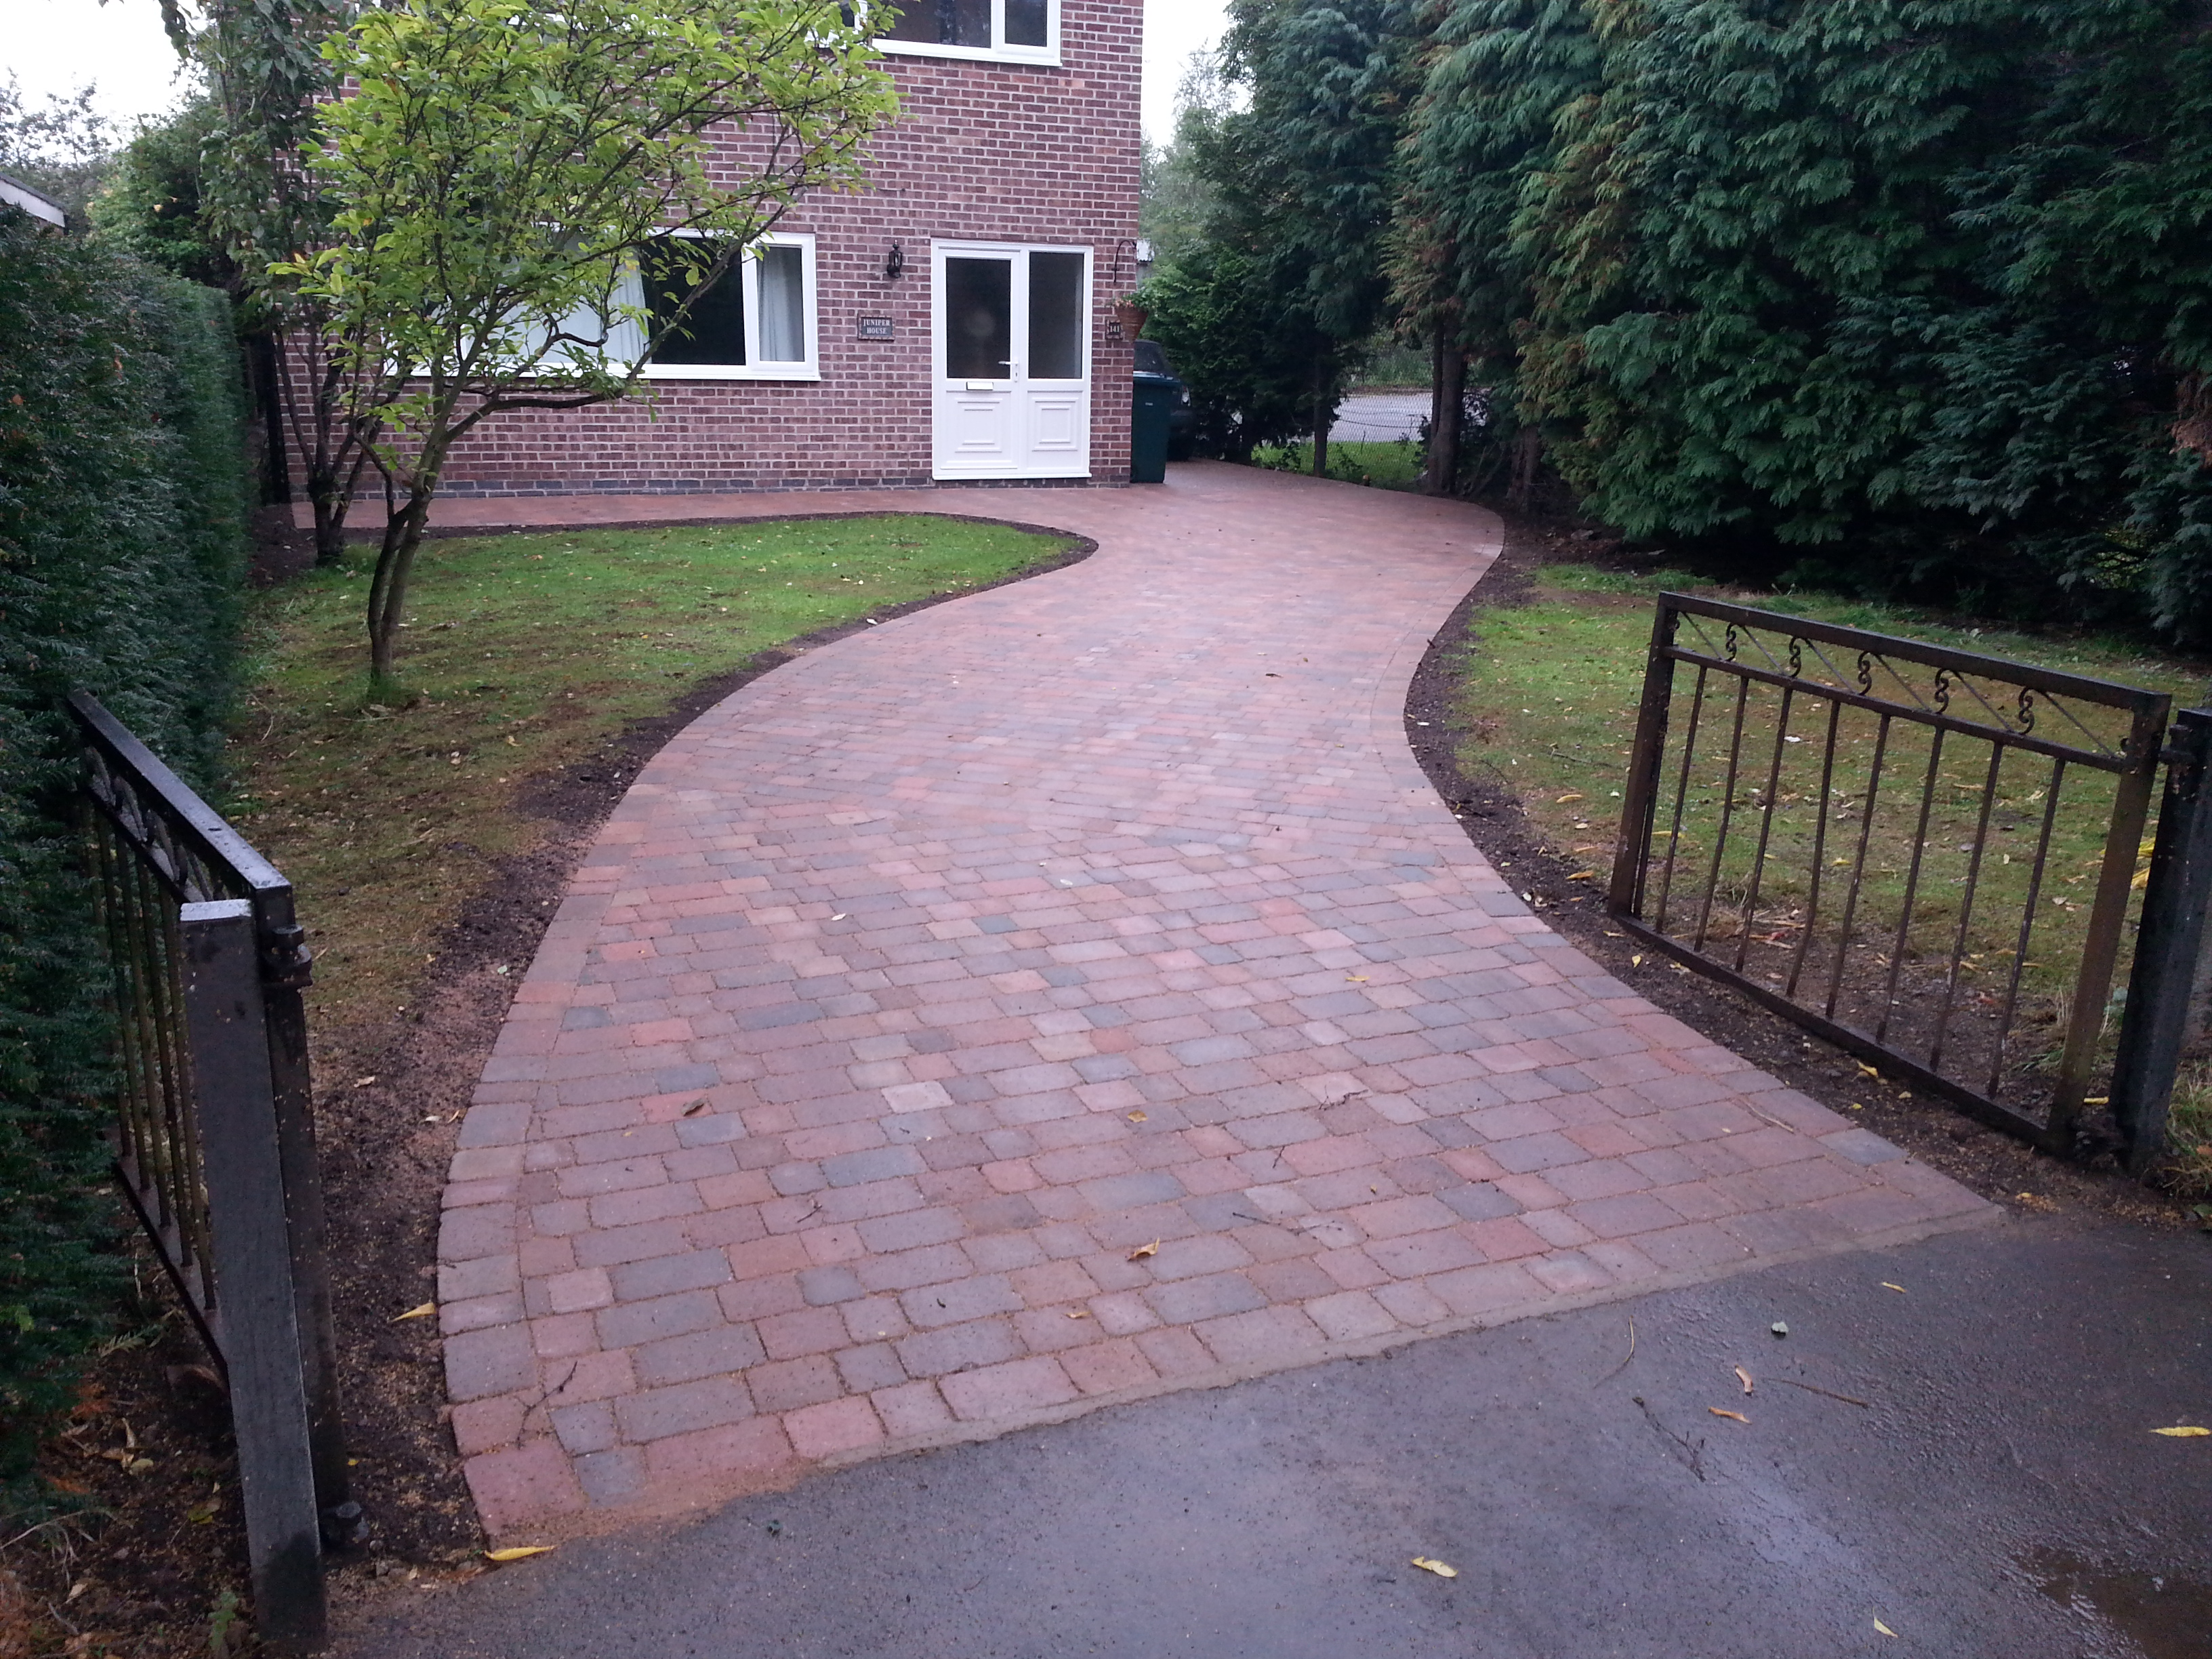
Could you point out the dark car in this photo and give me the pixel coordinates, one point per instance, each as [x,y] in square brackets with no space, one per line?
[1183,420]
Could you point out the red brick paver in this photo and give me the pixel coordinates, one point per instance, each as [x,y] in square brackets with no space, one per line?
[1064,995]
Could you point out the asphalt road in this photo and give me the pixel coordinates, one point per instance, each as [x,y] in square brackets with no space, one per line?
[2001,1494]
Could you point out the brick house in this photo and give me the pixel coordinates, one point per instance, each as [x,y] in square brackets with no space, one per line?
[953,324]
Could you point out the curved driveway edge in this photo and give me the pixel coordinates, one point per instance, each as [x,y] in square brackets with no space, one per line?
[1060,997]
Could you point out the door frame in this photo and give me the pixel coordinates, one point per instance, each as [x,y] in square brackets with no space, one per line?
[1022,387]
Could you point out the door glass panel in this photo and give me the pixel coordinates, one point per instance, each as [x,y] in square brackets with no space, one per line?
[715,331]
[979,318]
[782,304]
[1056,317]
[1025,22]
[944,23]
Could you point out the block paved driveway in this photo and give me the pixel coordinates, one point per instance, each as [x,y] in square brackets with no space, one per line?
[1089,997]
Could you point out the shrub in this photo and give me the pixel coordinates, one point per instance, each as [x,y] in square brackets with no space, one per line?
[123,503]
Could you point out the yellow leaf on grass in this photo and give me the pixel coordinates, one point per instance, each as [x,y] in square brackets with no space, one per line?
[1883,1628]
[2182,1433]
[522,1552]
[422,1312]
[1143,1250]
[1744,1378]
[1583,875]
[1426,1564]
[1564,799]
[1737,1416]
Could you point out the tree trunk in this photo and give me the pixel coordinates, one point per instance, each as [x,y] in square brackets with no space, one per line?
[1450,406]
[1322,410]
[1527,451]
[395,563]
[261,349]
[331,447]
[333,495]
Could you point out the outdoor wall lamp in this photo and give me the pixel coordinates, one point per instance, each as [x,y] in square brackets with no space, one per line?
[895,263]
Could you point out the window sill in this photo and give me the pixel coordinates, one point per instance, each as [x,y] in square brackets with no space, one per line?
[1039,57]
[793,372]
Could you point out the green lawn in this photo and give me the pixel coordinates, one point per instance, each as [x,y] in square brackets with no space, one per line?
[1548,693]
[1393,466]
[522,653]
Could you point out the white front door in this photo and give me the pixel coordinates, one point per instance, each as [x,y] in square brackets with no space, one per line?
[1011,361]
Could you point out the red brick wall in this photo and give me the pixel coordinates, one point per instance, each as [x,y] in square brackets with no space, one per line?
[983,152]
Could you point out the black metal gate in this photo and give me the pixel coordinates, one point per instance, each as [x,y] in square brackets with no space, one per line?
[215,1139]
[1926,856]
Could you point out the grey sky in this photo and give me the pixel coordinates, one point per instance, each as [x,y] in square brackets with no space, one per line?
[58,46]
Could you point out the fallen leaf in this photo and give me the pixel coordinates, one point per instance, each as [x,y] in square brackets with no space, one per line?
[1744,1378]
[1866,1070]
[521,1553]
[2182,1433]
[838,918]
[695,1108]
[1138,1117]
[1583,875]
[1079,1312]
[362,1082]
[1143,1250]
[1636,961]
[1427,1565]
[1899,1288]
[1779,1328]
[1738,1416]
[1883,1628]
[1355,979]
[2098,1100]
[1564,799]
[422,1312]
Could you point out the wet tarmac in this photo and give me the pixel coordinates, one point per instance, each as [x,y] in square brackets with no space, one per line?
[1953,1443]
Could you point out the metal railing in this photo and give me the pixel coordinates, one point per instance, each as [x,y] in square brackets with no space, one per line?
[215,1139]
[1926,856]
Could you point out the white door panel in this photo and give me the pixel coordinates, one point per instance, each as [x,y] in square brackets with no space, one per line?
[1011,367]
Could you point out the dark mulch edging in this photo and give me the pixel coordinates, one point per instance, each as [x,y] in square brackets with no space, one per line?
[1990,1163]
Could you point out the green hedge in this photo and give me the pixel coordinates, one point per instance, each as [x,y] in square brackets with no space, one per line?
[124,496]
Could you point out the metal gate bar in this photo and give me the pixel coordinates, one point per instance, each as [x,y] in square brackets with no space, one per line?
[215,1140]
[1843,762]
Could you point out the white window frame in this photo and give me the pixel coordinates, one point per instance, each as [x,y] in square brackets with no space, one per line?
[747,269]
[1047,54]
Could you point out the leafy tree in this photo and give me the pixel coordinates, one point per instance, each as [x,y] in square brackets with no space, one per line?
[154,204]
[1286,148]
[262,202]
[61,150]
[1497,76]
[1907,296]
[495,174]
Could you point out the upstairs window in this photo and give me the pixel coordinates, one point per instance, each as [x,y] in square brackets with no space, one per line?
[1017,30]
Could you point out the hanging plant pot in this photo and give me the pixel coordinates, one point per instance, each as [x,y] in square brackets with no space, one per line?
[1132,318]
